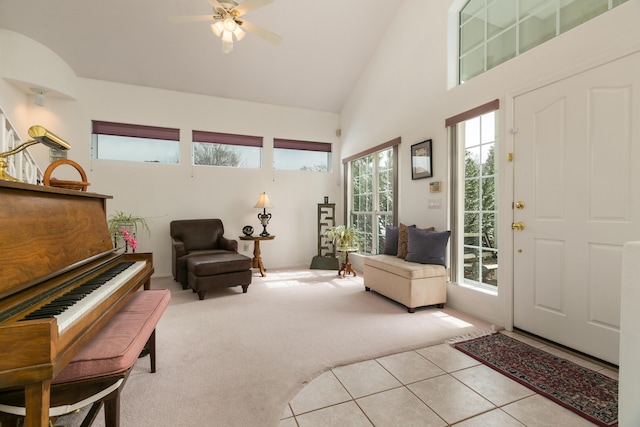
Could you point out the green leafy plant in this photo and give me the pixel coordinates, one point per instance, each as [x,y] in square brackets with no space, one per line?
[120,220]
[343,237]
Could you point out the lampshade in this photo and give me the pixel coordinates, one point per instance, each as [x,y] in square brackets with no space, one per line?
[226,29]
[229,25]
[263,202]
[239,33]
[47,138]
[217,28]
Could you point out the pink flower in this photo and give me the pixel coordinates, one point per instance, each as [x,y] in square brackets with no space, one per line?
[129,239]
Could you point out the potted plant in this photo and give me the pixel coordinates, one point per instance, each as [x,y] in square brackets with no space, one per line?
[344,237]
[123,221]
[124,227]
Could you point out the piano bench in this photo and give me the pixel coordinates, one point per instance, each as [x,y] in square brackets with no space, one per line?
[221,270]
[98,372]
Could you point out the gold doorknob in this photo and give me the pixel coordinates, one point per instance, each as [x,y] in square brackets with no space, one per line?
[519,205]
[517,226]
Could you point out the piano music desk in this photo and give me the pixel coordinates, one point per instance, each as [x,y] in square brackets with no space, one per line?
[97,374]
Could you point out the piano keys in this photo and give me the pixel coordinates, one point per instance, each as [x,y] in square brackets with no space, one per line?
[54,244]
[78,300]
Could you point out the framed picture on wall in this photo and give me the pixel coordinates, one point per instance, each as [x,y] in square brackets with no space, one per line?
[421,160]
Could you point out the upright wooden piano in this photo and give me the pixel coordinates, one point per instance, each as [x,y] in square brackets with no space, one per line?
[61,281]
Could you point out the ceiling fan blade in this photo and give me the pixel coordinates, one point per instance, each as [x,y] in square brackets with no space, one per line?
[249,5]
[216,5]
[261,32]
[192,18]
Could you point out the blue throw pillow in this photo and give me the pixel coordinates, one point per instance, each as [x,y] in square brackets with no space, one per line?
[390,241]
[427,247]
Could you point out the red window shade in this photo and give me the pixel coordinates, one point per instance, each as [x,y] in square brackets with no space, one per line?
[226,138]
[291,144]
[135,131]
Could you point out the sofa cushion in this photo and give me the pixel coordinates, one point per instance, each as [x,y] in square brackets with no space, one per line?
[210,265]
[402,268]
[390,240]
[427,247]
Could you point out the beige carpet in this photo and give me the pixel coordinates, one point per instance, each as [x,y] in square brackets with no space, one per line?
[237,359]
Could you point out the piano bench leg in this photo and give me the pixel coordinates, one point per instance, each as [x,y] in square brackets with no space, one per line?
[112,411]
[151,345]
[92,414]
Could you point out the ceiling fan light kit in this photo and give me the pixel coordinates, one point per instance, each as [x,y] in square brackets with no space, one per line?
[228,24]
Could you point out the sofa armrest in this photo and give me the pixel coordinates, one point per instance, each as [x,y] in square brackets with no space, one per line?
[228,244]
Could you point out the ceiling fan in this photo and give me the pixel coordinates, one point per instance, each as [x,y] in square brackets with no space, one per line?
[227,14]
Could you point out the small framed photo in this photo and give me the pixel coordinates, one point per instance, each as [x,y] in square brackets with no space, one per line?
[421,160]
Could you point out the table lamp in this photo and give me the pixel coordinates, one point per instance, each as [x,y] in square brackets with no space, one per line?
[264,217]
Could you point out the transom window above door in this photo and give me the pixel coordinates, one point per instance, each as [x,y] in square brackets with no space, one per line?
[493,31]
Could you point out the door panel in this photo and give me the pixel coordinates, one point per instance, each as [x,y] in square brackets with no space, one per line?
[575,145]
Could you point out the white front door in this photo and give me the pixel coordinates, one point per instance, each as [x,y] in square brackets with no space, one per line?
[577,193]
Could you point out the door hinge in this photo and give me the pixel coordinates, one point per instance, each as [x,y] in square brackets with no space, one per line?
[509,157]
[514,130]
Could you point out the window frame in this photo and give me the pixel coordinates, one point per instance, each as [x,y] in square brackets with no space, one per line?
[456,196]
[375,239]
[302,146]
[240,142]
[521,21]
[134,132]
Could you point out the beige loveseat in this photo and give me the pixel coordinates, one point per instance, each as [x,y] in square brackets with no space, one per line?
[409,283]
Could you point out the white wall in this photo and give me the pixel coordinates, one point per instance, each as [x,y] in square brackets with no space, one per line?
[167,192]
[406,92]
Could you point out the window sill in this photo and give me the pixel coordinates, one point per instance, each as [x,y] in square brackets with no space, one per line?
[477,288]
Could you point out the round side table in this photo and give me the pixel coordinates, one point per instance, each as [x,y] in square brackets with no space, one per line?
[346,268]
[257,259]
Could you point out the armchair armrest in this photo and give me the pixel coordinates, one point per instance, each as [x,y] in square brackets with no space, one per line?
[228,244]
[178,248]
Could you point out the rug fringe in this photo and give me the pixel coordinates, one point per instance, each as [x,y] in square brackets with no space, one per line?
[470,336]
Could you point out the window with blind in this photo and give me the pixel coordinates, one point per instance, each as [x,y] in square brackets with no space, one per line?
[134,143]
[223,149]
[289,154]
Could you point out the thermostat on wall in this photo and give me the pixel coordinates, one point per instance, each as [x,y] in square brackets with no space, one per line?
[434,187]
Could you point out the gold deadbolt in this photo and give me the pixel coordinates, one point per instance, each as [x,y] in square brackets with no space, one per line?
[517,226]
[519,205]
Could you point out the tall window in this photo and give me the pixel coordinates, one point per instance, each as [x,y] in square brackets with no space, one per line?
[494,31]
[475,199]
[135,143]
[310,156]
[372,191]
[222,149]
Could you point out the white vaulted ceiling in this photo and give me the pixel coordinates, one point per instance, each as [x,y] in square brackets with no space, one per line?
[325,46]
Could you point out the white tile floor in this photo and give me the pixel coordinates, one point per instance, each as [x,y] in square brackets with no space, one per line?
[434,386]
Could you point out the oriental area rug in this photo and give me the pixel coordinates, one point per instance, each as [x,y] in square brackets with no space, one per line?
[588,393]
